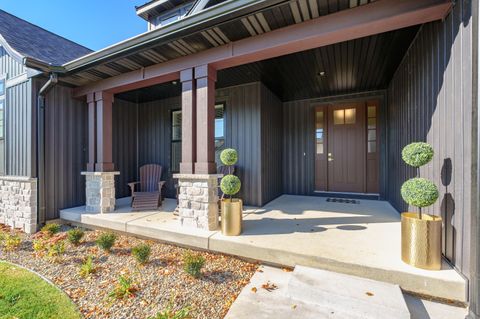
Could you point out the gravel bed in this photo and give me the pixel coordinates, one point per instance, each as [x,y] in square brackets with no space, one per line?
[161,282]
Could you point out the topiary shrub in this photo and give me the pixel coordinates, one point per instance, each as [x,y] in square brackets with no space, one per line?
[74,235]
[229,156]
[230,185]
[419,192]
[417,154]
[106,241]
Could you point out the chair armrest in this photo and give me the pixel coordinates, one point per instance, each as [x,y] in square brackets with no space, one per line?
[160,185]
[132,186]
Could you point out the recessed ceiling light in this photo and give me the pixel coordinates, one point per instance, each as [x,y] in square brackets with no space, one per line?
[174,82]
[321,73]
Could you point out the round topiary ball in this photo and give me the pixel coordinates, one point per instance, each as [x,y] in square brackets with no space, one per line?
[229,156]
[419,192]
[417,154]
[230,185]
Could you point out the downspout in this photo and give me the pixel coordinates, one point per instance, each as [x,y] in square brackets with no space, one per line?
[52,81]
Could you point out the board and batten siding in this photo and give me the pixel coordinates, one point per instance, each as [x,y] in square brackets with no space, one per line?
[124,145]
[9,66]
[430,99]
[65,149]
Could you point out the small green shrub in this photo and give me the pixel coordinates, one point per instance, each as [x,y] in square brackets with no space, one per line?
[56,249]
[11,242]
[106,241]
[230,185]
[141,253]
[229,156]
[74,235]
[124,288]
[170,313]
[417,154]
[419,192]
[39,245]
[193,264]
[87,267]
[50,229]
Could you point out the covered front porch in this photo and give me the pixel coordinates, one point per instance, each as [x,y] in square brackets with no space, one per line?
[361,238]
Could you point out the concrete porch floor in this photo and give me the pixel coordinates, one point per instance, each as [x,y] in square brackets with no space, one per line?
[358,239]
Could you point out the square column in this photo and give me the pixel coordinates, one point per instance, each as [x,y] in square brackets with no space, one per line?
[206,77]
[100,191]
[198,200]
[187,166]
[92,152]
[104,103]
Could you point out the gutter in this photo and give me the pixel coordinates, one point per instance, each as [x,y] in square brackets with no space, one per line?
[40,147]
[200,21]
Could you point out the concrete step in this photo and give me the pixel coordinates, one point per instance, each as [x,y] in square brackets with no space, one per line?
[352,296]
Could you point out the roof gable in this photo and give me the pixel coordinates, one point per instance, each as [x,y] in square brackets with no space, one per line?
[34,42]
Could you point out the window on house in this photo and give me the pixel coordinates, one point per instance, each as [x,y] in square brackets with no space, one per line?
[171,16]
[176,141]
[2,126]
[372,129]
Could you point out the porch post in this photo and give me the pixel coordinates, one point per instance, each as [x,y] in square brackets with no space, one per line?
[206,77]
[188,122]
[100,177]
[104,161]
[91,133]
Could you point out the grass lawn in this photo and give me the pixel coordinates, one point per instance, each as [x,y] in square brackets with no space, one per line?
[25,295]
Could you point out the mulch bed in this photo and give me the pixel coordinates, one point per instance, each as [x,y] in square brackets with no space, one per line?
[160,282]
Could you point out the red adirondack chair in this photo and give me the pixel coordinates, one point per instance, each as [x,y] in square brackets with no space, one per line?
[149,195]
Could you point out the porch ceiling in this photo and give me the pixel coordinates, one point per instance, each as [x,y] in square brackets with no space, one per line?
[359,65]
[230,28]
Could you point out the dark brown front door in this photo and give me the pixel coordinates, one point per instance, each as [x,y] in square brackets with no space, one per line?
[341,147]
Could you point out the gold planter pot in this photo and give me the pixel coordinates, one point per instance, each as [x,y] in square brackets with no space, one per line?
[232,210]
[422,241]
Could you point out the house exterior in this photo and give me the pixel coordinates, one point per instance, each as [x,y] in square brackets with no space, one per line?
[317,96]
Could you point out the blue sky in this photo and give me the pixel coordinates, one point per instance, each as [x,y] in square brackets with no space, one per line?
[92,23]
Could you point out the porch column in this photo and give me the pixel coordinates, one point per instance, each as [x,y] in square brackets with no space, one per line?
[91,133]
[206,77]
[104,161]
[100,177]
[188,122]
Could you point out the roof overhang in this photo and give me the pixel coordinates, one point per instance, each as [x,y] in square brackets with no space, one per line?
[216,14]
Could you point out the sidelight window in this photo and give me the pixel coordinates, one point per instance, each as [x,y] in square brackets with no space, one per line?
[319,132]
[372,129]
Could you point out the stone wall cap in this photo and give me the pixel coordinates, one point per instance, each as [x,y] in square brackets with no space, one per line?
[101,173]
[197,176]
[17,178]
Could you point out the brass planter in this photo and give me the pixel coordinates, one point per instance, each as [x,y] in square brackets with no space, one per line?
[422,241]
[232,210]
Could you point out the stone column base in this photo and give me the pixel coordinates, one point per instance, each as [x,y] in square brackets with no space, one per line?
[100,191]
[198,200]
[18,202]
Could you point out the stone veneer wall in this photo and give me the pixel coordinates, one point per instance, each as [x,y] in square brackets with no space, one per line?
[100,191]
[198,200]
[18,202]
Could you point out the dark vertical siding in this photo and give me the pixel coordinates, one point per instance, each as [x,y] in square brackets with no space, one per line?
[154,136]
[124,145]
[272,145]
[8,65]
[18,132]
[243,132]
[298,147]
[429,99]
[65,149]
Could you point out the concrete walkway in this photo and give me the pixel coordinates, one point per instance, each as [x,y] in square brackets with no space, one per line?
[360,239]
[256,302]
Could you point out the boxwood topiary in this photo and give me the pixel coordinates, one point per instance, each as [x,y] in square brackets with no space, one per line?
[230,185]
[419,192]
[229,156]
[417,154]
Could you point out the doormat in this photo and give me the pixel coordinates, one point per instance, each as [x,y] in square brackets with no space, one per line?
[343,200]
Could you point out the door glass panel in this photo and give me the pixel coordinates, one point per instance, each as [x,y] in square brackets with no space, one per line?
[372,135]
[339,117]
[372,147]
[372,123]
[319,131]
[372,110]
[350,116]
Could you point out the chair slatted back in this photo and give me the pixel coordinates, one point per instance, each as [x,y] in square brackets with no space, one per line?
[150,176]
